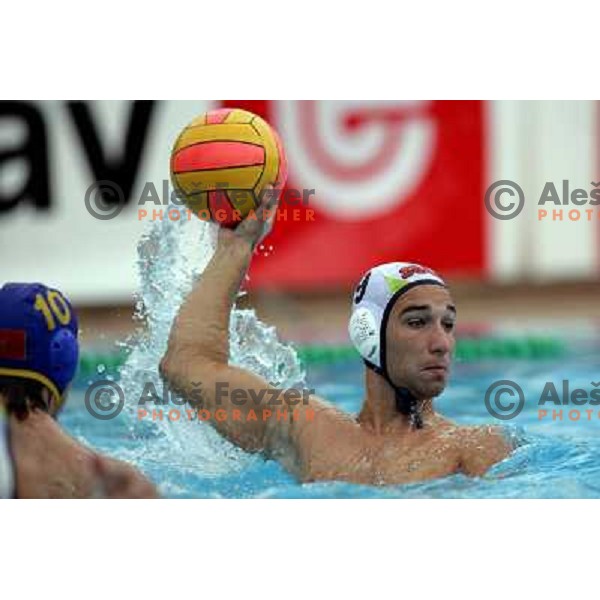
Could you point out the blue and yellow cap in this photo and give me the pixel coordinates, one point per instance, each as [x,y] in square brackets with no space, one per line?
[38,336]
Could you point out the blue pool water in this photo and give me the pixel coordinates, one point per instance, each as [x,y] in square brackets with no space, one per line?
[187,459]
[554,459]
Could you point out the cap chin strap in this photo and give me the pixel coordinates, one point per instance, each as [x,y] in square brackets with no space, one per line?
[406,403]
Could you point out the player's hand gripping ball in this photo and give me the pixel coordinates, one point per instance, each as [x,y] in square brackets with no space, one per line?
[222,161]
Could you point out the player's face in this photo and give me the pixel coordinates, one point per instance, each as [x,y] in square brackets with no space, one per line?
[420,340]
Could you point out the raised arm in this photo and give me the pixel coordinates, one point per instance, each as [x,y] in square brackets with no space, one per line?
[196,362]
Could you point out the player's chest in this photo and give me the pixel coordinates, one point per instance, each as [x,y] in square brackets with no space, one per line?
[397,462]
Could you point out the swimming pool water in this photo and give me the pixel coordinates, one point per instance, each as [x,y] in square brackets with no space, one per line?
[554,459]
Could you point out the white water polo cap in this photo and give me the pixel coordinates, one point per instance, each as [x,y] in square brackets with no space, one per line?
[372,303]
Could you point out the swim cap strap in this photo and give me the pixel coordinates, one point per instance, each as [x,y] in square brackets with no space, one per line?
[406,403]
[373,301]
[374,367]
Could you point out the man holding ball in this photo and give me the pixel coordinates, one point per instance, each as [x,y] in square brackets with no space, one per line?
[402,324]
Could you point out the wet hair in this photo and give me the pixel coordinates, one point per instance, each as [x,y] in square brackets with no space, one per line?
[22,396]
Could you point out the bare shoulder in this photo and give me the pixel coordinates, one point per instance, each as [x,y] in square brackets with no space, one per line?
[482,447]
[323,437]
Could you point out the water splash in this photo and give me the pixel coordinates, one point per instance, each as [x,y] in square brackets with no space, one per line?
[171,255]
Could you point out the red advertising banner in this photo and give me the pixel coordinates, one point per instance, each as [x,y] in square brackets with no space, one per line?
[392,181]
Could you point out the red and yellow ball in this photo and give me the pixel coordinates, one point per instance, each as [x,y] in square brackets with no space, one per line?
[222,161]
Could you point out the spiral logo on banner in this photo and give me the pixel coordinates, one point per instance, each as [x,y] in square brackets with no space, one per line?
[363,158]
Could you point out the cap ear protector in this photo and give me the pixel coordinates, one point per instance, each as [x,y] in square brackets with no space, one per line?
[64,357]
[373,300]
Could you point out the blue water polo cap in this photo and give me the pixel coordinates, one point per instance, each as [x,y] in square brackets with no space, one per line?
[38,336]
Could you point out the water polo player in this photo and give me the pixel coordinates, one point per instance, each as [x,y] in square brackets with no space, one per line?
[39,353]
[402,324]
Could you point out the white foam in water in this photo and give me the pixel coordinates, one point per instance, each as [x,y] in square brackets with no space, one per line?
[171,254]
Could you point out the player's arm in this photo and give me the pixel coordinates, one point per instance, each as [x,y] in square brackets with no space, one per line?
[483,447]
[196,364]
